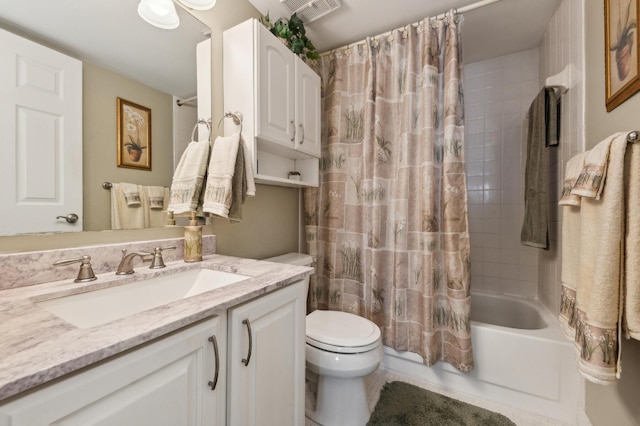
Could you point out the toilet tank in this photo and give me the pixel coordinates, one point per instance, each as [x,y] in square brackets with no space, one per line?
[299,259]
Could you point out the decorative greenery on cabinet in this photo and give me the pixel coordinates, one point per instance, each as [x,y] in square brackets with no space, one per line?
[293,34]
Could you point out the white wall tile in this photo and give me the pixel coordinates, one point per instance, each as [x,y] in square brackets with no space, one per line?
[510,83]
[562,45]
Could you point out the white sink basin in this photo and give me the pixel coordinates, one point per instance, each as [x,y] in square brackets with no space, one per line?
[98,307]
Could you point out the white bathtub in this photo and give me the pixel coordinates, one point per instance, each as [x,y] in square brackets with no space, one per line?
[522,360]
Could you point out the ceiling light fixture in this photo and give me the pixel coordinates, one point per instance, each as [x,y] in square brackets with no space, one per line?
[159,13]
[198,4]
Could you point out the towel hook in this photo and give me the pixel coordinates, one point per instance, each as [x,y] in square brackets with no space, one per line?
[236,116]
[206,123]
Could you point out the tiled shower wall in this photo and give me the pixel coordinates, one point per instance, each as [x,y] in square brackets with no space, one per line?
[563,45]
[498,93]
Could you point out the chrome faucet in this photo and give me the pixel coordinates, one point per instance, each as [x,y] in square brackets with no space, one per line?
[126,264]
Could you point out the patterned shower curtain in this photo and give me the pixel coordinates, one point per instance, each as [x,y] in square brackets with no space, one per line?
[388,224]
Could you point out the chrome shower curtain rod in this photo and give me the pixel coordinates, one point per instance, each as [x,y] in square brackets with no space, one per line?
[470,7]
[463,9]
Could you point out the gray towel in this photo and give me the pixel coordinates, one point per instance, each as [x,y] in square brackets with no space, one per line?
[239,187]
[542,130]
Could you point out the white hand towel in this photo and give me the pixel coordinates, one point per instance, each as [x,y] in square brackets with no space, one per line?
[590,182]
[124,216]
[188,179]
[572,170]
[154,197]
[131,194]
[218,190]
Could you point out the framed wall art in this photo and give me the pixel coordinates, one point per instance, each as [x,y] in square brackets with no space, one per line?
[621,51]
[134,135]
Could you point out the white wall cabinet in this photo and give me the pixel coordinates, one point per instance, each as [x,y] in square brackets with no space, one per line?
[267,359]
[279,98]
[165,383]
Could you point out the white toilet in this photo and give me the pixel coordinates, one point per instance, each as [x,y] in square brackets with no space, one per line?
[342,349]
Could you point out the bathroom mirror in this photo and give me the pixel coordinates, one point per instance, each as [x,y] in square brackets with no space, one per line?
[113,42]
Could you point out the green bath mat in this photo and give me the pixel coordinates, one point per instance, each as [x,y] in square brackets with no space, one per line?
[407,405]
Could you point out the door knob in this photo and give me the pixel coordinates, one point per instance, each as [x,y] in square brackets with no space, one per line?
[70,218]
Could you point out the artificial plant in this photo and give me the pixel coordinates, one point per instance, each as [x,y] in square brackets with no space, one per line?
[293,34]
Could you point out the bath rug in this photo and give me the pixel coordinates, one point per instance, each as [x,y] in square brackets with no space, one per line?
[407,405]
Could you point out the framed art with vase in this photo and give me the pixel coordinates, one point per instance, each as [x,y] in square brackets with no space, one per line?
[134,135]
[621,51]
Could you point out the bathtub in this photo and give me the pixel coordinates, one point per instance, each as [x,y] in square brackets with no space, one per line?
[522,360]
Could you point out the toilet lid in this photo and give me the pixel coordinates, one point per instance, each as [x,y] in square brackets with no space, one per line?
[341,332]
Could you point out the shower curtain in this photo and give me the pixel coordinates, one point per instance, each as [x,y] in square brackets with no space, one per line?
[388,224]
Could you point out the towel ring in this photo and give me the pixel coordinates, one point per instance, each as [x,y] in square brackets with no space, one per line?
[236,116]
[206,123]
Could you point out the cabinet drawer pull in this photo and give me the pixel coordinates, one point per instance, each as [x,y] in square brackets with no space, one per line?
[213,383]
[246,360]
[293,127]
[301,134]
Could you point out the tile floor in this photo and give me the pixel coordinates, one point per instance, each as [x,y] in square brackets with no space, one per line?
[376,381]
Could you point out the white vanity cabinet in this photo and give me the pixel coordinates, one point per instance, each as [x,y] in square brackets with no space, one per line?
[266,359]
[167,382]
[279,97]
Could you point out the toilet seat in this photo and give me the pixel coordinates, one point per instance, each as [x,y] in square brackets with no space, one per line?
[341,332]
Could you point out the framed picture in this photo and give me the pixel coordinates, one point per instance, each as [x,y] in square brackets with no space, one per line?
[134,135]
[621,51]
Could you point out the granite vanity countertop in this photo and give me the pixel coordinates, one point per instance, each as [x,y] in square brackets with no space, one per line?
[36,346]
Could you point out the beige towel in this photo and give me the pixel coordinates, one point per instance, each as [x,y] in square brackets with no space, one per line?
[534,230]
[570,244]
[218,189]
[632,243]
[590,182]
[124,216]
[572,170]
[154,198]
[131,193]
[592,270]
[188,178]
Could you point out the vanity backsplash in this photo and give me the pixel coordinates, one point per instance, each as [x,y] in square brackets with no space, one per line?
[24,269]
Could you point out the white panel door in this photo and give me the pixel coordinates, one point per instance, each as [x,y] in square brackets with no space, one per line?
[40,138]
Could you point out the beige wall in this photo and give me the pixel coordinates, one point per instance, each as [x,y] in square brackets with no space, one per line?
[100,90]
[616,404]
[270,223]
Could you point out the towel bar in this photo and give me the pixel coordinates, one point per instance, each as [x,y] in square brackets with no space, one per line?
[632,136]
[108,185]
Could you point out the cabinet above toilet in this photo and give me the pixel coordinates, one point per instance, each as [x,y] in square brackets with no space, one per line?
[279,98]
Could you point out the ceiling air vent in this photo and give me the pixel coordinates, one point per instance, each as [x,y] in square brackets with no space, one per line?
[311,10]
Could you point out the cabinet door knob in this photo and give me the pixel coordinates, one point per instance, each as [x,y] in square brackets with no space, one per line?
[293,127]
[214,382]
[301,134]
[246,360]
